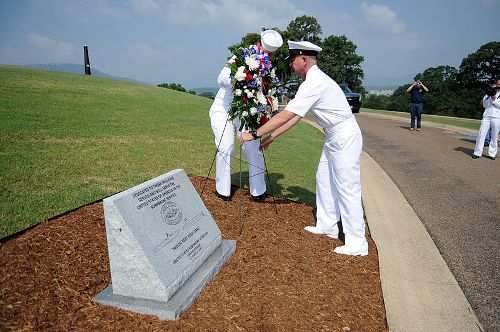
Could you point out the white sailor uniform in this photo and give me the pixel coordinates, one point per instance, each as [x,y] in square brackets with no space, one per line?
[224,131]
[491,119]
[338,184]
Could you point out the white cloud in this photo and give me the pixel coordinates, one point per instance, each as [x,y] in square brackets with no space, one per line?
[88,10]
[145,6]
[146,52]
[106,8]
[236,14]
[383,18]
[49,48]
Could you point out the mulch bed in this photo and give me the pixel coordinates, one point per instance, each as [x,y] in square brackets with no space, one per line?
[280,278]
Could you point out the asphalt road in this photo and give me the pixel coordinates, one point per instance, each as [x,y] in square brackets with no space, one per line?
[456,197]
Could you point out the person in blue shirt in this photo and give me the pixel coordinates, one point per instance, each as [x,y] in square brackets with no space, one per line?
[416,91]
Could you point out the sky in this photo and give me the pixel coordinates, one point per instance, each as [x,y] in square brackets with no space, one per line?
[185,41]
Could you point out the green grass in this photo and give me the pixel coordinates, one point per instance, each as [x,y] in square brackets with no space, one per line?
[441,120]
[67,140]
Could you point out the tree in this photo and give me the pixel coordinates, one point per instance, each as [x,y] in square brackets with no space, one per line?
[480,68]
[443,97]
[208,94]
[378,102]
[339,60]
[476,73]
[305,28]
[302,28]
[247,40]
[455,92]
[399,100]
[174,86]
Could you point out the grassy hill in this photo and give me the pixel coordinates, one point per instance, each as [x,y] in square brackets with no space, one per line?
[69,139]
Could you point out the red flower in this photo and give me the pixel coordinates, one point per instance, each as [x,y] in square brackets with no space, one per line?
[249,77]
[263,120]
[246,100]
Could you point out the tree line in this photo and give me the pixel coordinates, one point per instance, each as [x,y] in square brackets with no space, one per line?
[175,86]
[452,91]
[338,58]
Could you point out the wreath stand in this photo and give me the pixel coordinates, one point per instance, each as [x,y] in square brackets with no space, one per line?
[240,178]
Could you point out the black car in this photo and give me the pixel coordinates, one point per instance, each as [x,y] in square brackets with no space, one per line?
[353,98]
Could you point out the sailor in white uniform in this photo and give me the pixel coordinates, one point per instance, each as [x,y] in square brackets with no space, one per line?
[491,120]
[338,184]
[224,131]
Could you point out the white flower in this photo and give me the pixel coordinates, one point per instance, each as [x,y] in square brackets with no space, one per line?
[253,110]
[237,92]
[252,62]
[261,98]
[244,113]
[249,94]
[232,60]
[240,74]
[275,105]
[273,73]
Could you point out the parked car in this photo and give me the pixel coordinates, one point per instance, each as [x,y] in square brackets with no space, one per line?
[353,98]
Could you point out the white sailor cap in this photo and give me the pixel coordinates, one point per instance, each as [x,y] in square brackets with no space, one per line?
[270,40]
[302,48]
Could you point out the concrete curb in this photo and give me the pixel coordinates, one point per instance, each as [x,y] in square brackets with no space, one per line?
[420,293]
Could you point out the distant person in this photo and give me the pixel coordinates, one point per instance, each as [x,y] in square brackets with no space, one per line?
[490,121]
[224,131]
[338,183]
[416,90]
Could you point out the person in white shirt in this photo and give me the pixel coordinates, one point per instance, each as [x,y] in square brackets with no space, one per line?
[338,184]
[490,121]
[224,131]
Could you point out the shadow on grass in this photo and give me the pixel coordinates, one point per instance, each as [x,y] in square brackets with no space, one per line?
[274,187]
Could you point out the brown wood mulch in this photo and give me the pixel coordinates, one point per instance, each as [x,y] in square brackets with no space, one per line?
[280,278]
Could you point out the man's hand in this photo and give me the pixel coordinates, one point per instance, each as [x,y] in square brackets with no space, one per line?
[264,144]
[245,137]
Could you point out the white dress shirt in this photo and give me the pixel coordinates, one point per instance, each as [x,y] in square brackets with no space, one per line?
[323,97]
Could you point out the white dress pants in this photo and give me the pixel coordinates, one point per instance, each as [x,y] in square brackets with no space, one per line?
[338,183]
[486,123]
[224,132]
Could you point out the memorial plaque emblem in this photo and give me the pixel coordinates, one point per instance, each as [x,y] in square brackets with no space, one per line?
[171,213]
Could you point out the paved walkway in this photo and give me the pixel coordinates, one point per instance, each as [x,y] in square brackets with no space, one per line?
[420,292]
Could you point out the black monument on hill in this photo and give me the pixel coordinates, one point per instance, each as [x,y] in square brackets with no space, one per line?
[86,60]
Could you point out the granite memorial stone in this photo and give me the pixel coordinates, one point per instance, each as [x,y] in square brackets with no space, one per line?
[163,245]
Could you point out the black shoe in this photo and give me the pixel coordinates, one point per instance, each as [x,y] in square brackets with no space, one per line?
[492,158]
[475,157]
[259,199]
[224,198]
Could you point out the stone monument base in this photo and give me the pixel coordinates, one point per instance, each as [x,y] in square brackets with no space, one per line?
[182,299]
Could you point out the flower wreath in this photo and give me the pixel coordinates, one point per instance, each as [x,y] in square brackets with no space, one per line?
[256,88]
